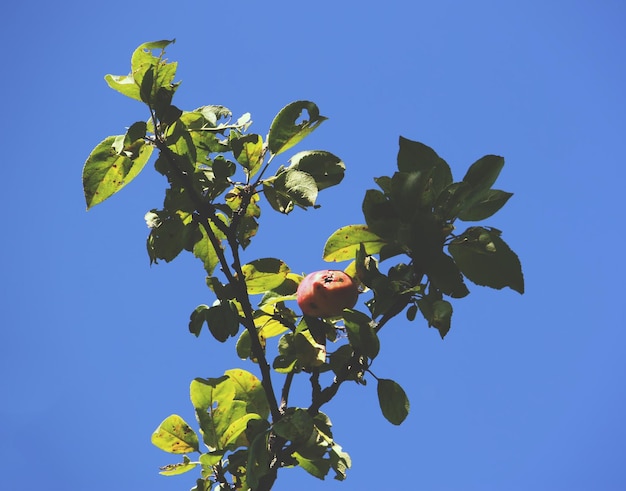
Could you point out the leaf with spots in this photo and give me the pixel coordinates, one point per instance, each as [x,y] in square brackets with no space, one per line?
[264,274]
[174,435]
[344,243]
[108,170]
[225,405]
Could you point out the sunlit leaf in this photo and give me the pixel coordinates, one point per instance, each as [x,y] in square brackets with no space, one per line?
[264,274]
[343,244]
[180,468]
[292,124]
[327,169]
[248,150]
[248,388]
[106,171]
[174,435]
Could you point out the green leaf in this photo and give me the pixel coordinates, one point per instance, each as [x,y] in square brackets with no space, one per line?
[106,170]
[270,321]
[486,206]
[291,187]
[380,215]
[174,435]
[197,319]
[258,460]
[169,235]
[296,425]
[425,173]
[393,401]
[327,169]
[289,126]
[225,405]
[344,243]
[340,461]
[142,62]
[416,157]
[483,173]
[248,150]
[244,345]
[299,347]
[180,468]
[203,249]
[437,312]
[248,388]
[361,335]
[265,274]
[486,259]
[446,276]
[316,467]
[222,320]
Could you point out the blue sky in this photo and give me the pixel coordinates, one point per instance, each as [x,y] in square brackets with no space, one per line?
[526,392]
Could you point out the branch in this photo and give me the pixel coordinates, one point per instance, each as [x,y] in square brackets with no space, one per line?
[206,212]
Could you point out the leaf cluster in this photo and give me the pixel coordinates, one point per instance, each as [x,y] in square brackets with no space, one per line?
[412,219]
[219,177]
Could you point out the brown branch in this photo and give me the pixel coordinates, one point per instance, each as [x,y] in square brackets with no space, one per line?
[206,213]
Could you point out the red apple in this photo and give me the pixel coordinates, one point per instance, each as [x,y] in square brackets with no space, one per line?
[326,293]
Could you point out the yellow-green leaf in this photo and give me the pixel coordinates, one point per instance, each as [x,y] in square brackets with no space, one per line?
[106,171]
[344,243]
[265,274]
[174,435]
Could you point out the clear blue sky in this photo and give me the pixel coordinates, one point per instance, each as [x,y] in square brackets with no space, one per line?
[526,392]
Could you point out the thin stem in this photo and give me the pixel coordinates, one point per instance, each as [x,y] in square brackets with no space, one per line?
[207,215]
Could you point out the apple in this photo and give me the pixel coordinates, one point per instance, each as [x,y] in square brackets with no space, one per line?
[326,293]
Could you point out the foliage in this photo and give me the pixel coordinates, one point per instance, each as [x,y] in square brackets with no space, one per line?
[217,172]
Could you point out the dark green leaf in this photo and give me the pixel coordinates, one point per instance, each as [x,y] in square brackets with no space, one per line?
[445,276]
[487,260]
[197,319]
[483,173]
[223,320]
[393,401]
[316,467]
[486,206]
[361,335]
[380,215]
[169,235]
[296,425]
[417,157]
[258,460]
[411,312]
[290,126]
